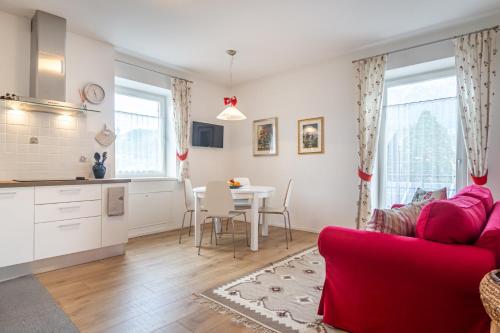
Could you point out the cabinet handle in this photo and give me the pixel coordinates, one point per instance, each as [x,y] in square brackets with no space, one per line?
[70,207]
[8,193]
[68,225]
[70,190]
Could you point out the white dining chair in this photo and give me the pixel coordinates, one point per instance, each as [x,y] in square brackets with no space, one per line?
[243,204]
[282,210]
[189,203]
[219,205]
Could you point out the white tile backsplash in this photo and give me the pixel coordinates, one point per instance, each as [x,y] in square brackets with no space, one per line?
[61,141]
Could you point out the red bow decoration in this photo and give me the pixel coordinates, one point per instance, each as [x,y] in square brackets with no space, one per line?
[183,156]
[230,100]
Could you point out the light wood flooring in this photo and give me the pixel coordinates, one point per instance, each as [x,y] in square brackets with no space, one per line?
[149,288]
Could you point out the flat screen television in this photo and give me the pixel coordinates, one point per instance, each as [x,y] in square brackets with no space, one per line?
[207,135]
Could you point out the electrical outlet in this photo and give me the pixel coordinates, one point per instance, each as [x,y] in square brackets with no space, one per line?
[33,140]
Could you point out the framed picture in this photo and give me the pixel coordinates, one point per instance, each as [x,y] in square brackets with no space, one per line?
[265,137]
[311,136]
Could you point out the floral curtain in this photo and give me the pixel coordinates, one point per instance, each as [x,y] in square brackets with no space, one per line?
[370,88]
[181,96]
[474,55]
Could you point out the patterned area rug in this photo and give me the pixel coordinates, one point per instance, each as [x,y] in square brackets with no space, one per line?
[282,297]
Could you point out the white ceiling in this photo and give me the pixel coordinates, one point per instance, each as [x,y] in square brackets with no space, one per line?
[270,35]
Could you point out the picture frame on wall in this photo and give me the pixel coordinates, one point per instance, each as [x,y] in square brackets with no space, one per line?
[265,137]
[311,136]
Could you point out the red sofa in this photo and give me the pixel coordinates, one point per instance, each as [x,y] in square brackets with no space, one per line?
[381,283]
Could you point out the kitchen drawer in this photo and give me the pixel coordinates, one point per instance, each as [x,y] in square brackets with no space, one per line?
[67,210]
[59,238]
[67,193]
[16,222]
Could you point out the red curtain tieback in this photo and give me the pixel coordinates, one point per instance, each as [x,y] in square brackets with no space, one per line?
[480,180]
[364,176]
[183,156]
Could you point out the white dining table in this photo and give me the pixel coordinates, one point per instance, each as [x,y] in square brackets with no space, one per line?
[253,193]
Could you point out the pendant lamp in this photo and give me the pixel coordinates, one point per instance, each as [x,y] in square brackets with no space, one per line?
[230,111]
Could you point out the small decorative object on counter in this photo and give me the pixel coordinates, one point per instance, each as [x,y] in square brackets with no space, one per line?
[490,295]
[99,169]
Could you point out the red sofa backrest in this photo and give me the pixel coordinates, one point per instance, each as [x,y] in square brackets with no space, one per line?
[490,237]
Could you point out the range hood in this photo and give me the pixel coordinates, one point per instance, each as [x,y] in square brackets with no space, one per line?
[47,69]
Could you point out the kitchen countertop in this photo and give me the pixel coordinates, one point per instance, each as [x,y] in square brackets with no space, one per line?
[29,183]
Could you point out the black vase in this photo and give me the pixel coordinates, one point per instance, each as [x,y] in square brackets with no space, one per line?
[99,170]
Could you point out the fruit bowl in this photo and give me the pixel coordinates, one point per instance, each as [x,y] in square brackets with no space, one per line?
[234,184]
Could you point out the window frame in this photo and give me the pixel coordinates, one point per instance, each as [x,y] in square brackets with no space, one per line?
[461,161]
[163,116]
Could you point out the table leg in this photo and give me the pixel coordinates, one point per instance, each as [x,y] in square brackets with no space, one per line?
[254,225]
[265,228]
[197,220]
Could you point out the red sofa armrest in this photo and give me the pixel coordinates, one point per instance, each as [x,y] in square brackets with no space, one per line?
[386,283]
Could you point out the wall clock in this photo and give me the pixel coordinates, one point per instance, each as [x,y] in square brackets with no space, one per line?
[94,93]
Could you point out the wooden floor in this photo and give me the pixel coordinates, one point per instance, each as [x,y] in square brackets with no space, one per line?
[149,288]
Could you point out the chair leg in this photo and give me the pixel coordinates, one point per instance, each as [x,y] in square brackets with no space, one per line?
[182,226]
[289,224]
[234,244]
[246,228]
[215,231]
[212,232]
[190,222]
[286,231]
[227,225]
[201,235]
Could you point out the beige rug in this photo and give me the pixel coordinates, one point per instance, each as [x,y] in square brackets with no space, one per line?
[282,297]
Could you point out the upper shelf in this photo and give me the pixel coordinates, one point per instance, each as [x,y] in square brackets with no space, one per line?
[46,106]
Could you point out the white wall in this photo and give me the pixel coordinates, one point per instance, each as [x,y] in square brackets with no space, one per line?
[326,185]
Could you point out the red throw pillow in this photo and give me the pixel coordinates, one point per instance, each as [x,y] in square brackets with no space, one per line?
[459,220]
[479,192]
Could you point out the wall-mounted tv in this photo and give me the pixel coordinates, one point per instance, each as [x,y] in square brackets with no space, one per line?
[207,135]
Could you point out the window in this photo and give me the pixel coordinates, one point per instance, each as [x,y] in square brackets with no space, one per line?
[141,129]
[421,141]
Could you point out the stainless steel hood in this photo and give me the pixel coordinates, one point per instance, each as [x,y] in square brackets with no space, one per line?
[47,68]
[48,57]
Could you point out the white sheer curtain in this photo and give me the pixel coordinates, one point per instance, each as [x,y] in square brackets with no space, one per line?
[474,61]
[181,100]
[141,132]
[369,88]
[419,149]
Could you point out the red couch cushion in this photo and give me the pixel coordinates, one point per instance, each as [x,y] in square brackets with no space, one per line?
[479,192]
[490,237]
[458,220]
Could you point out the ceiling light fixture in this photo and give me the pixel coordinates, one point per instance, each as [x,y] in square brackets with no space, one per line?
[231,112]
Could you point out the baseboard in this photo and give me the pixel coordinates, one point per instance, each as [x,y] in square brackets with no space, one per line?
[151,229]
[51,264]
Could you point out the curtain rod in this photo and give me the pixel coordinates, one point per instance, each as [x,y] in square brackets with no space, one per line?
[428,43]
[152,70]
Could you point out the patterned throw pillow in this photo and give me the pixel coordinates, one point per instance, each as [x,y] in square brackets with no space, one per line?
[423,195]
[398,221]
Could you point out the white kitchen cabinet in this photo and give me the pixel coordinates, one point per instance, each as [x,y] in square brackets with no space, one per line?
[16,221]
[114,228]
[64,237]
